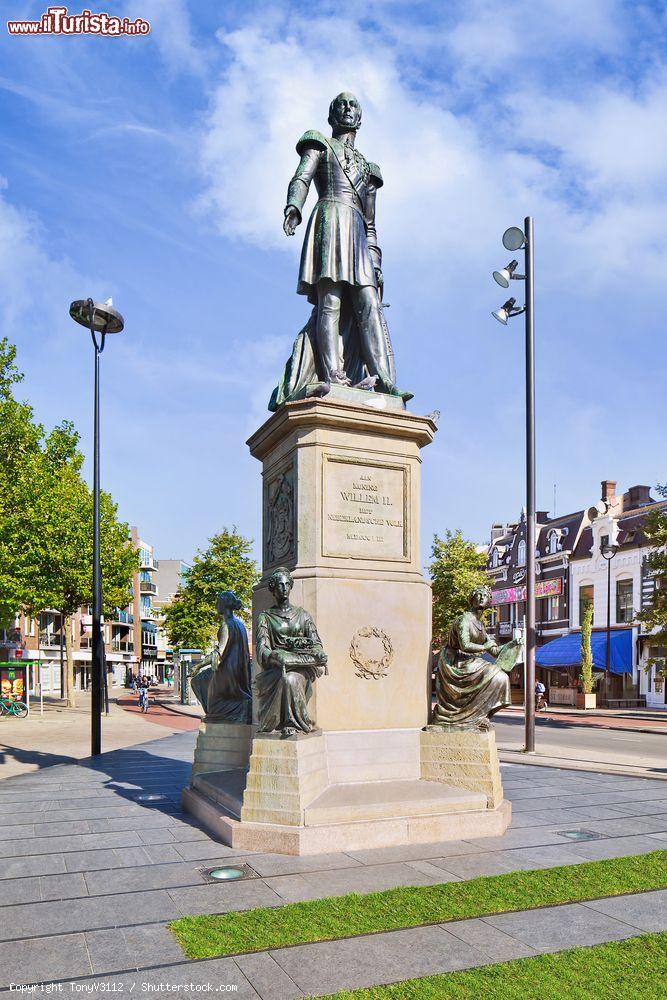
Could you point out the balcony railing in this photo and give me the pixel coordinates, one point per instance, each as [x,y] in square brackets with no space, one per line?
[123,618]
[50,638]
[146,587]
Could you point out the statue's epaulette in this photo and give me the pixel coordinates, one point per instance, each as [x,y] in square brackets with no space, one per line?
[376,174]
[311,138]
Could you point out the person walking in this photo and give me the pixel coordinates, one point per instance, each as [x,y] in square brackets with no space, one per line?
[143,694]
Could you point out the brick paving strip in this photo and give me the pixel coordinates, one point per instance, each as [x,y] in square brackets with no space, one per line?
[91,876]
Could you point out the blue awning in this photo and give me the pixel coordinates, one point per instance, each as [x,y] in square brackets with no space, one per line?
[566,651]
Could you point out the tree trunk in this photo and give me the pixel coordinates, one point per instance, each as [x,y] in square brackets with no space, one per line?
[69,672]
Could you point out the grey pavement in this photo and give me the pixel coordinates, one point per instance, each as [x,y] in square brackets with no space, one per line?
[93,871]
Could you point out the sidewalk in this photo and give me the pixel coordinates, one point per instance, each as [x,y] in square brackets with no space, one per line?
[99,857]
[62,735]
[634,720]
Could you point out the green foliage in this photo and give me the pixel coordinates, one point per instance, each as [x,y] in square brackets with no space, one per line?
[266,928]
[630,968]
[655,617]
[46,515]
[586,677]
[456,569]
[190,621]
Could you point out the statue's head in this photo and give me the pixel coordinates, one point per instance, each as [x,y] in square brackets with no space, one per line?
[228,601]
[480,598]
[345,113]
[280,583]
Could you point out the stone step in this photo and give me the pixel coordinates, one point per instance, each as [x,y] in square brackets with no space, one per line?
[363,801]
[224,787]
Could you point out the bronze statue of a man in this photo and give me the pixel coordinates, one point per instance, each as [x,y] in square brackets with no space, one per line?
[347,340]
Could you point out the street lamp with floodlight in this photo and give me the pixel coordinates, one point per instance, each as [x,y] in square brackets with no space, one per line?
[517,239]
[608,551]
[101,319]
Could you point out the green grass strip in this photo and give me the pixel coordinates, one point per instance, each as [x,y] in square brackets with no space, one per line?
[348,916]
[634,968]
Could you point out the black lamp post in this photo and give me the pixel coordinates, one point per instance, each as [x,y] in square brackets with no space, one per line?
[522,239]
[100,319]
[608,551]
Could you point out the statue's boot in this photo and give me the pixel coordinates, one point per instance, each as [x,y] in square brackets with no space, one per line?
[388,387]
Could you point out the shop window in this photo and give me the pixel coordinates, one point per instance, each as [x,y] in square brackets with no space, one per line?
[586,595]
[624,610]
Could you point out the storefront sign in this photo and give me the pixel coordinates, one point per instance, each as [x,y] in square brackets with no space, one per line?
[545,588]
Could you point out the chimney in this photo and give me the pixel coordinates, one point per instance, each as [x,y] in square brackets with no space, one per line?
[608,489]
[637,496]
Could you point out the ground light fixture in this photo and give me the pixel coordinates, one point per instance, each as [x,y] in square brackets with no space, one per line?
[515,238]
[101,319]
[506,274]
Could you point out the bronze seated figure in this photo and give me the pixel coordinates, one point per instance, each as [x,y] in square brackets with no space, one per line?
[290,656]
[470,687]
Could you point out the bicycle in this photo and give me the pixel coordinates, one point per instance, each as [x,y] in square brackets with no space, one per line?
[17,708]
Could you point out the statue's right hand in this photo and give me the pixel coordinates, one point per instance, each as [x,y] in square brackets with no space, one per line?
[292,220]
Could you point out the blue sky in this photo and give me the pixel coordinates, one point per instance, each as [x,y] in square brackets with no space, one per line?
[154,169]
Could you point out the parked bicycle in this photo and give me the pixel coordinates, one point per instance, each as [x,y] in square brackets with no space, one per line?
[10,707]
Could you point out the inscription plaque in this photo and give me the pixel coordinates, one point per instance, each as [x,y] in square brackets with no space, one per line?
[364,509]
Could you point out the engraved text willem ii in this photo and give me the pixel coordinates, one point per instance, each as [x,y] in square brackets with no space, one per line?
[364,514]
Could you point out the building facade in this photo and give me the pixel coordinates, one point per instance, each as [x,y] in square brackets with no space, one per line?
[570,572]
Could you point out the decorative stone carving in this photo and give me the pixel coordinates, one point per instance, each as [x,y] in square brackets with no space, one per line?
[371,651]
[280,518]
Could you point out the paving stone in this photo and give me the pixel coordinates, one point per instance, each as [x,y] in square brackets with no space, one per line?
[379,958]
[19,890]
[135,821]
[77,842]
[437,874]
[108,951]
[281,864]
[35,960]
[366,878]
[89,861]
[642,808]
[646,911]
[414,852]
[203,851]
[45,864]
[161,853]
[526,837]
[62,886]
[493,943]
[217,974]
[150,944]
[151,876]
[156,836]
[267,978]
[629,826]
[61,829]
[18,832]
[474,865]
[616,847]
[560,927]
[223,898]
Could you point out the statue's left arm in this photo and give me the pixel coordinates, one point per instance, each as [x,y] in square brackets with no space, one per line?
[310,630]
[374,182]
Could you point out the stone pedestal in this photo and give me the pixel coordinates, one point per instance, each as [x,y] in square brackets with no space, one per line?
[222,746]
[465,759]
[341,488]
[341,482]
[284,777]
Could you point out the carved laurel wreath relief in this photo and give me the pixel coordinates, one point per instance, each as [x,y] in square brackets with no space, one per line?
[371,651]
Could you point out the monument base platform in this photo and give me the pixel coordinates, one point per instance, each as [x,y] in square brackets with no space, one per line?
[285,805]
[221,746]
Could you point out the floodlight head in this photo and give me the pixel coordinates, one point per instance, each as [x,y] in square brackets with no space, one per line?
[505,311]
[106,319]
[513,238]
[504,277]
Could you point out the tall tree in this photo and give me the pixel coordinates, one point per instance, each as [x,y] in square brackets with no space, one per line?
[586,677]
[46,518]
[456,568]
[190,620]
[655,616]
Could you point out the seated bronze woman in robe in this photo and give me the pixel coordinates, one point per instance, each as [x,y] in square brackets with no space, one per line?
[290,656]
[468,687]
